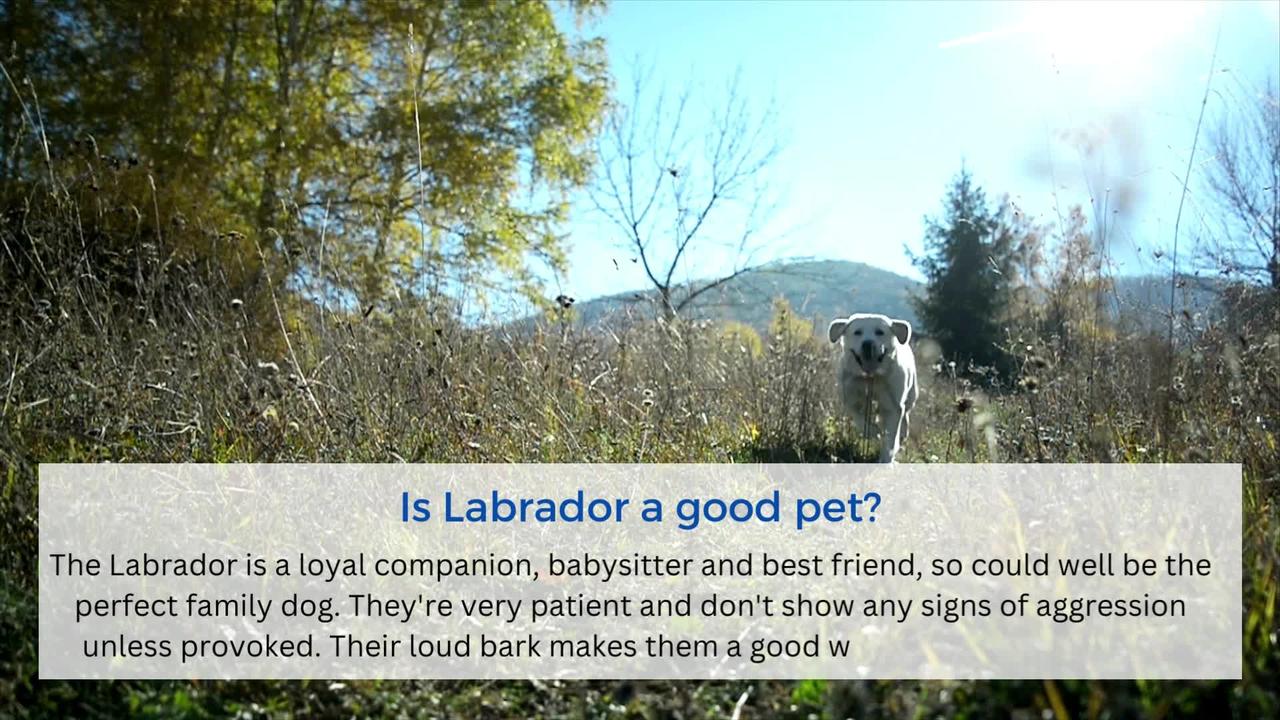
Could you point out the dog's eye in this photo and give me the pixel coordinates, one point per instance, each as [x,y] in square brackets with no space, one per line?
[880,332]
[857,333]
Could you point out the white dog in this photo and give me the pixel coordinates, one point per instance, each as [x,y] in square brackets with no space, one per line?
[877,365]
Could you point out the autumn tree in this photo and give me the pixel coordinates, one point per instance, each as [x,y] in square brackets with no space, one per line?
[396,141]
[1074,294]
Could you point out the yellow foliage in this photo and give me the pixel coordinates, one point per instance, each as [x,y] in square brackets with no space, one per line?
[741,335]
[788,327]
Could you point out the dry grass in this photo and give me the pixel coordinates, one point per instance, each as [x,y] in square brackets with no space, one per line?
[121,348]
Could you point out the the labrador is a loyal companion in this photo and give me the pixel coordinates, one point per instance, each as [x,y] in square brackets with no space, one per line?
[877,375]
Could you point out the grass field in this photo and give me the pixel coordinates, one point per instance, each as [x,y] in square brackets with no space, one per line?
[162,362]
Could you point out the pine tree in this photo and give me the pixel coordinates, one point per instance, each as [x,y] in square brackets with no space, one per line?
[968,264]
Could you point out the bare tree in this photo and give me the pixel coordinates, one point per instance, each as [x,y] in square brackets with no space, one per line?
[672,180]
[1244,180]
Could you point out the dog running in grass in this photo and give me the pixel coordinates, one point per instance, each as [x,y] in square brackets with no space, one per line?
[877,376]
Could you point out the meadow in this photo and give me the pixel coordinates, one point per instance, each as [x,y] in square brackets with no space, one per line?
[116,348]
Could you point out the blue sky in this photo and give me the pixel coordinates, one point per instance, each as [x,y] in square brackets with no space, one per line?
[878,104]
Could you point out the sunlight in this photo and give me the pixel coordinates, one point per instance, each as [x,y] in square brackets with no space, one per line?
[1121,38]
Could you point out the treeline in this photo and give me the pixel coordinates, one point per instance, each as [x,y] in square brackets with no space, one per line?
[998,283]
[366,147]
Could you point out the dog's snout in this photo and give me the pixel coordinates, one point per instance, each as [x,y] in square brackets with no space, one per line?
[868,349]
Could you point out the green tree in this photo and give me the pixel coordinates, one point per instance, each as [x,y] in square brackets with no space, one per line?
[971,268]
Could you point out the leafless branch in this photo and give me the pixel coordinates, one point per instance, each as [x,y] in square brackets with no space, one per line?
[670,191]
[1244,182]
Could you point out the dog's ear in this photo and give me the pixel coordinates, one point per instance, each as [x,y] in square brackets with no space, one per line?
[836,328]
[902,329]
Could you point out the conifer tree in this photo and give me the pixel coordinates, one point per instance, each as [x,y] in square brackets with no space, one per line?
[968,264]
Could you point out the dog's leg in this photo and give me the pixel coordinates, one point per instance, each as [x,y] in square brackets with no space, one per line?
[894,416]
[913,393]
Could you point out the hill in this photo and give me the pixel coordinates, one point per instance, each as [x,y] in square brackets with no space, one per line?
[820,289]
[824,289]
[1143,300]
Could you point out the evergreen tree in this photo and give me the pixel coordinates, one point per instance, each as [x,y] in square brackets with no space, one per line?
[969,267]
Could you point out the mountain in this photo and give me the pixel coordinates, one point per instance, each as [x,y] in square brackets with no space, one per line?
[824,289]
[821,289]
[1143,300]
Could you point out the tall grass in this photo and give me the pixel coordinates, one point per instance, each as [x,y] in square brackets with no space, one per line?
[138,334]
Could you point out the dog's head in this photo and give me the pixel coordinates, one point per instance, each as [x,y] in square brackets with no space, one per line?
[873,340]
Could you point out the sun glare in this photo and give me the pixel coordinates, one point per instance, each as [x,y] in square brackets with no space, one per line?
[1123,38]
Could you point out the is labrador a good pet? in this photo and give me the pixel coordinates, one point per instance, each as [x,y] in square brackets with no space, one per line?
[877,376]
